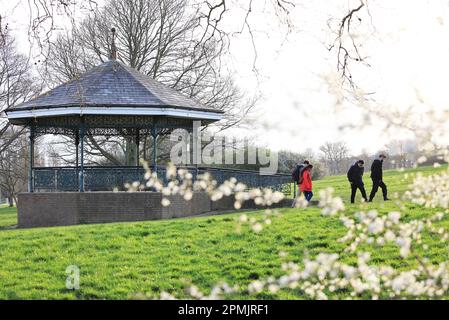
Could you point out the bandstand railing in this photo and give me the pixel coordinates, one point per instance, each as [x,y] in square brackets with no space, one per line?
[108,178]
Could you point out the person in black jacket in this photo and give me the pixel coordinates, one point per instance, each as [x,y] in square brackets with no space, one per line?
[376,177]
[355,177]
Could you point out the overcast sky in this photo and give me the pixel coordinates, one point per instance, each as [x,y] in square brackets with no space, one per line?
[408,51]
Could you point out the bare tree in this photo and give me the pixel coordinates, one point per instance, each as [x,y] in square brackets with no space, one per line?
[334,154]
[401,153]
[160,39]
[345,44]
[14,165]
[43,16]
[16,85]
[288,161]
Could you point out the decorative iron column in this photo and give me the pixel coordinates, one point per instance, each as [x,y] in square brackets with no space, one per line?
[31,160]
[137,147]
[154,135]
[81,173]
[145,147]
[77,143]
[193,155]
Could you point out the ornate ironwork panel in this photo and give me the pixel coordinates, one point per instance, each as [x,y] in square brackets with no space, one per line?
[67,179]
[110,178]
[45,179]
[100,125]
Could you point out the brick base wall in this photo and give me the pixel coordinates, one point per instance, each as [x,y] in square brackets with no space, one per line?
[46,209]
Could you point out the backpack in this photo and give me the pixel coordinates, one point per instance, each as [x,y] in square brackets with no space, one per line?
[296,174]
[301,174]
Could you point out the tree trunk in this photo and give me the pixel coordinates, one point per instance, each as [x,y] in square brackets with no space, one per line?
[130,152]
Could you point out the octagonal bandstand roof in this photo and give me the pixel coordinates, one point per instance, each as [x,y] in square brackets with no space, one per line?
[112,89]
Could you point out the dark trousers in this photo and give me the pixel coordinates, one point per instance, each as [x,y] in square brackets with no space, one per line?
[308,195]
[354,187]
[376,185]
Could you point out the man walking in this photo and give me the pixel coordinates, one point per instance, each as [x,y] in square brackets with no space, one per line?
[376,177]
[355,177]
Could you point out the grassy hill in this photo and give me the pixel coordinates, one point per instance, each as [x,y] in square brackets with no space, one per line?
[8,217]
[121,259]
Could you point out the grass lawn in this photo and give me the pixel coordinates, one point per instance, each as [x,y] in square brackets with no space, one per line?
[8,217]
[121,259]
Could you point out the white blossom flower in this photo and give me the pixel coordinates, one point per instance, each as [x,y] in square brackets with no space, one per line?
[188,195]
[394,216]
[255,286]
[165,202]
[330,205]
[421,159]
[257,227]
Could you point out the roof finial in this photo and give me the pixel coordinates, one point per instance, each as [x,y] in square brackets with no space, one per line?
[113,46]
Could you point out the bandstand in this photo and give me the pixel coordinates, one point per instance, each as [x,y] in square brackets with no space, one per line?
[111,99]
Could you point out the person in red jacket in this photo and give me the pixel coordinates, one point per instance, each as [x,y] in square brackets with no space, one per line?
[306,183]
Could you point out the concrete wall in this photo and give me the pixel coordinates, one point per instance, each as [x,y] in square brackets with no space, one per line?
[45,209]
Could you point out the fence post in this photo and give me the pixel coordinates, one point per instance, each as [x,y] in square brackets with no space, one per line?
[31,161]
[56,179]
[154,135]
[137,137]
[81,173]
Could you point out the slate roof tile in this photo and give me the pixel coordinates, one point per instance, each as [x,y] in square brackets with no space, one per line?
[113,84]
